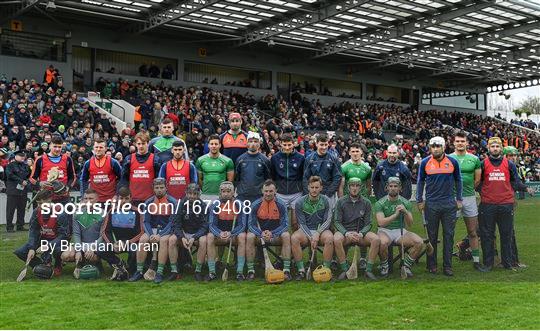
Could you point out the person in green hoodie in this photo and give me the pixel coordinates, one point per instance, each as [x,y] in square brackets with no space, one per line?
[162,144]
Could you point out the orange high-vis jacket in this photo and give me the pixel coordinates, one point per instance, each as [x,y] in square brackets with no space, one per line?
[364,125]
[49,76]
[138,115]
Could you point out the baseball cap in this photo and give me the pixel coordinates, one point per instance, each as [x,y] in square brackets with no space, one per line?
[494,140]
[355,180]
[234,115]
[253,135]
[437,141]
[394,180]
[510,150]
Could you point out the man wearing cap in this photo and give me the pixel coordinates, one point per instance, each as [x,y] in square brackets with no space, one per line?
[178,172]
[140,169]
[440,177]
[161,145]
[498,181]
[213,168]
[512,154]
[221,218]
[287,170]
[251,170]
[352,224]
[392,213]
[391,167]
[190,226]
[17,187]
[234,141]
[469,166]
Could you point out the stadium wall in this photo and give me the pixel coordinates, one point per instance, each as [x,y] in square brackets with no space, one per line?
[253,58]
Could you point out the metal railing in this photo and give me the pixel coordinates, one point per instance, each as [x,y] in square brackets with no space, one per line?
[518,126]
[112,102]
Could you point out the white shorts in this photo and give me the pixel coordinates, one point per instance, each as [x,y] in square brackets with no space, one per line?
[394,235]
[289,199]
[470,208]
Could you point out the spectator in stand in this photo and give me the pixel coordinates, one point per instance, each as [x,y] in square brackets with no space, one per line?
[153,71]
[50,75]
[168,72]
[143,70]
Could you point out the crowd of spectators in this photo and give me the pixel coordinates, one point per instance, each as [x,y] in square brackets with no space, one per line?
[31,112]
[526,123]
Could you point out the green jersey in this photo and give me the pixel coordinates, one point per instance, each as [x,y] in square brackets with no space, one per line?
[388,208]
[468,164]
[361,170]
[214,171]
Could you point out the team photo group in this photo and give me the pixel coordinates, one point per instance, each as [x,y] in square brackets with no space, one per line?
[157,213]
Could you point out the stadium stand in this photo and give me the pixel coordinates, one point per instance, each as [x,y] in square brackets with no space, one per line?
[31,112]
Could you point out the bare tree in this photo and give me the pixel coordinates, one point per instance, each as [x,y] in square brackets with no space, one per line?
[530,105]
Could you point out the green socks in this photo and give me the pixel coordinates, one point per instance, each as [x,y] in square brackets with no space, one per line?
[344,266]
[198,267]
[251,266]
[408,261]
[287,265]
[327,264]
[240,266]
[140,266]
[300,265]
[476,255]
[160,268]
[212,266]
[173,268]
[369,267]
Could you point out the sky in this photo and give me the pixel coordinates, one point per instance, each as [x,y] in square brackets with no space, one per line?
[517,96]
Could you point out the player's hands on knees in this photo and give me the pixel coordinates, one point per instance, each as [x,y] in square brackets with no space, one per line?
[267,235]
[315,241]
[116,247]
[31,254]
[185,243]
[225,235]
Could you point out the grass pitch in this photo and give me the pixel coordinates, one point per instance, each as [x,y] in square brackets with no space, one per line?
[470,300]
